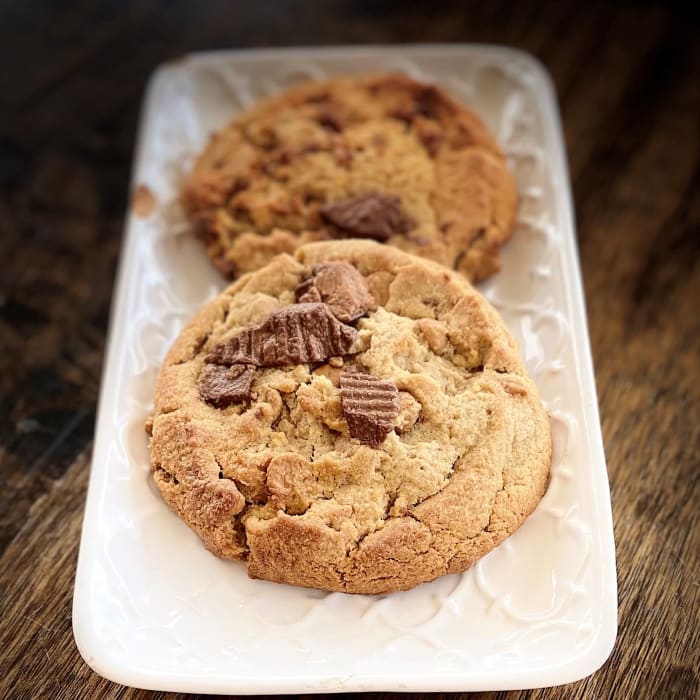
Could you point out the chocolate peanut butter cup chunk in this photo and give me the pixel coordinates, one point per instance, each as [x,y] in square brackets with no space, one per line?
[371,215]
[351,418]
[290,336]
[339,285]
[381,157]
[222,385]
[370,406]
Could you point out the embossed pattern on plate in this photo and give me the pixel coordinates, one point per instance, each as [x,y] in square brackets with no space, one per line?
[154,609]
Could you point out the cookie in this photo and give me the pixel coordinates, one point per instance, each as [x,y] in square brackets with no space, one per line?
[351,418]
[380,157]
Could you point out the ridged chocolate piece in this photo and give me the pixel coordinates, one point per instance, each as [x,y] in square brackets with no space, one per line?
[339,285]
[221,386]
[372,215]
[370,406]
[291,336]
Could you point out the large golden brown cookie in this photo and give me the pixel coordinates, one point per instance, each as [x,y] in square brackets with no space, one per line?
[352,418]
[380,157]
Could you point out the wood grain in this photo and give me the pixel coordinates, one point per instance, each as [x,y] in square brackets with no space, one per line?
[70,89]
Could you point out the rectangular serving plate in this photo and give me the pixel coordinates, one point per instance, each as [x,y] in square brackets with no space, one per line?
[153,609]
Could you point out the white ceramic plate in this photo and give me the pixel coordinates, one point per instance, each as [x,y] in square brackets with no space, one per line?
[154,609]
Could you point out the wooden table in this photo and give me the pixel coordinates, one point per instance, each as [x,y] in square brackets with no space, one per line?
[629,86]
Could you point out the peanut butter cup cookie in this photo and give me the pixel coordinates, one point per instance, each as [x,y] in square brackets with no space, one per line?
[380,157]
[351,418]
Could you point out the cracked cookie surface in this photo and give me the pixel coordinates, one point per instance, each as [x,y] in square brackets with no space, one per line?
[381,157]
[408,457]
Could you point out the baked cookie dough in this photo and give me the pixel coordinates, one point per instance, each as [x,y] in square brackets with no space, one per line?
[380,157]
[350,418]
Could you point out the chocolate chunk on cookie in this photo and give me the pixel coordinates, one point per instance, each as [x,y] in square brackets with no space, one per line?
[370,215]
[376,156]
[370,406]
[295,334]
[339,285]
[221,386]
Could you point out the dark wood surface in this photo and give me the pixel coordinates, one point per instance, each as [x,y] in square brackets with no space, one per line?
[628,80]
